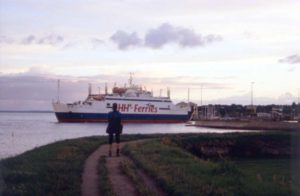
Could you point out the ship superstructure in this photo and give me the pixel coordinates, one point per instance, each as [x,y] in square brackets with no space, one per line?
[134,103]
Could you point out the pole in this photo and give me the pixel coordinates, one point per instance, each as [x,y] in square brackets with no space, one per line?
[188,95]
[298,96]
[201,93]
[252,93]
[58,89]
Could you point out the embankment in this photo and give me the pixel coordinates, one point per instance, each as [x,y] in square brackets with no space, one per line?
[252,125]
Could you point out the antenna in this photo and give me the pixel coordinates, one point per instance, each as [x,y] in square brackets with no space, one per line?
[58,89]
[130,78]
[105,88]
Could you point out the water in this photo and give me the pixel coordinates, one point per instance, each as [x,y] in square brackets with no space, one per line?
[20,132]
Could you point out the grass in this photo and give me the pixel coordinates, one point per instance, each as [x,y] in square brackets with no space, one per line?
[182,164]
[105,186]
[179,172]
[131,170]
[53,169]
[241,145]
[272,172]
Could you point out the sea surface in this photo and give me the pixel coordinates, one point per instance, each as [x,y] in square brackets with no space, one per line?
[22,131]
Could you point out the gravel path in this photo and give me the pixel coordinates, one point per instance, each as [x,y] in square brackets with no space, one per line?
[122,185]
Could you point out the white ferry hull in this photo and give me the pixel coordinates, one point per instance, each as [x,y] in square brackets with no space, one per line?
[131,112]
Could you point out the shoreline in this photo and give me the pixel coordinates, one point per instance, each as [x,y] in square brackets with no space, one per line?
[249,125]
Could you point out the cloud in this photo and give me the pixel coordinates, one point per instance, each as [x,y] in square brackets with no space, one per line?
[51,39]
[29,40]
[35,89]
[6,40]
[70,45]
[191,82]
[292,59]
[96,42]
[291,69]
[125,40]
[288,97]
[166,33]
[36,92]
[162,35]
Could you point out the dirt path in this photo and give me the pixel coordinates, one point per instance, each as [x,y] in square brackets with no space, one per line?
[122,185]
[90,178]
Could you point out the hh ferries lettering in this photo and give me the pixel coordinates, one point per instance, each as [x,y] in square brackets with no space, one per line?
[137,108]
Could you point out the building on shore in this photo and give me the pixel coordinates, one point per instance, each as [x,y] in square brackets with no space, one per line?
[250,112]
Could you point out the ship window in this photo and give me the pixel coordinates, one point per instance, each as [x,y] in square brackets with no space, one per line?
[108,104]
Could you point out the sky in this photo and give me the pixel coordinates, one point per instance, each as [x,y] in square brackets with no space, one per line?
[218,46]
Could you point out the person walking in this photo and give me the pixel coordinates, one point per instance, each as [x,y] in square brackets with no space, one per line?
[114,127]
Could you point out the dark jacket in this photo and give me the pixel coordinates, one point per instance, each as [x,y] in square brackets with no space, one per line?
[114,122]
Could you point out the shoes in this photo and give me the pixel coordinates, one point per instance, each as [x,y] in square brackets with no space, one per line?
[118,152]
[109,153]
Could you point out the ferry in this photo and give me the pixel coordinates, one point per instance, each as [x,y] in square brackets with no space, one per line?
[136,105]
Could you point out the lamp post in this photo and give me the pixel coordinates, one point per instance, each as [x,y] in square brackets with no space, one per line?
[188,95]
[252,83]
[298,96]
[201,93]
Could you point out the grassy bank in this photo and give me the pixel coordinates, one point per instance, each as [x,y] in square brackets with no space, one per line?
[172,162]
[53,169]
[240,145]
[182,164]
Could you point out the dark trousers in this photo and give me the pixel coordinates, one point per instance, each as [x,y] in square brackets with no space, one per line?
[111,138]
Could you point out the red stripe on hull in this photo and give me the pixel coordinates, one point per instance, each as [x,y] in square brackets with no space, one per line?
[124,121]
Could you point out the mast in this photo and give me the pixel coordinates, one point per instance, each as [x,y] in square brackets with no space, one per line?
[90,89]
[168,93]
[105,88]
